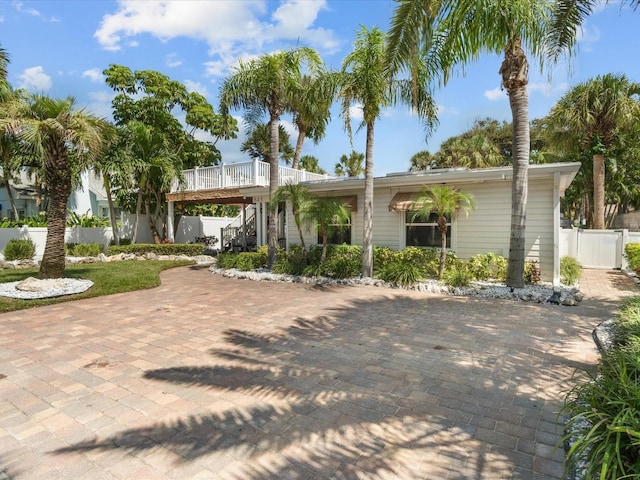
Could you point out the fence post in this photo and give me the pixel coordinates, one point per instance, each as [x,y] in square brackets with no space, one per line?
[195,178]
[625,239]
[223,176]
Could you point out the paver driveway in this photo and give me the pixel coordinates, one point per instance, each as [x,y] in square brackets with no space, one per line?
[208,378]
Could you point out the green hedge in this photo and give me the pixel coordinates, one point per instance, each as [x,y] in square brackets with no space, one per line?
[190,249]
[84,249]
[632,254]
[19,249]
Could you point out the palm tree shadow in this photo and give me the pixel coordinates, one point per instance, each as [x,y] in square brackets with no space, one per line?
[338,395]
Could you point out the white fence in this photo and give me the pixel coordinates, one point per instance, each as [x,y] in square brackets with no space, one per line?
[597,248]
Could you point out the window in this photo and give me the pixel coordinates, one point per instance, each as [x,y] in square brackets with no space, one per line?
[423,231]
[339,234]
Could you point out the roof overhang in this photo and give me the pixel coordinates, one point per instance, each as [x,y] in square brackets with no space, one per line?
[229,196]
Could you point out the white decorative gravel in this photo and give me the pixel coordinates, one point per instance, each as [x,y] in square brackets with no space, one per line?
[69,287]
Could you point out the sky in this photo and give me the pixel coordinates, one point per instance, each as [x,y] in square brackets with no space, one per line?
[60,48]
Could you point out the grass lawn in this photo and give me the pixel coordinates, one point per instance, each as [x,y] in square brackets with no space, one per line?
[108,278]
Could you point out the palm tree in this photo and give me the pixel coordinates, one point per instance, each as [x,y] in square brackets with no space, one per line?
[350,166]
[311,164]
[258,143]
[66,139]
[267,85]
[477,151]
[5,88]
[298,196]
[445,202]
[423,160]
[327,214]
[310,108]
[446,34]
[593,114]
[366,83]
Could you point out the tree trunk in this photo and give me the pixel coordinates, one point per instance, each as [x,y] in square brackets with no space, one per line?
[367,213]
[442,226]
[302,133]
[112,210]
[514,71]
[58,177]
[152,220]
[598,191]
[272,230]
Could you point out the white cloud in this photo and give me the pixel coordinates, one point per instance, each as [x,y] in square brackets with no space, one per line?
[196,87]
[356,112]
[100,104]
[19,6]
[34,78]
[173,60]
[1,19]
[229,27]
[290,129]
[495,94]
[442,110]
[588,34]
[93,74]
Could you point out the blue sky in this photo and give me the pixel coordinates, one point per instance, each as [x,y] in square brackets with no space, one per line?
[61,47]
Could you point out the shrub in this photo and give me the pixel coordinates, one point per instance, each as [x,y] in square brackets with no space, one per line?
[632,254]
[570,270]
[532,272]
[247,261]
[19,249]
[84,249]
[227,260]
[485,266]
[85,220]
[400,273]
[459,276]
[188,249]
[343,261]
[291,262]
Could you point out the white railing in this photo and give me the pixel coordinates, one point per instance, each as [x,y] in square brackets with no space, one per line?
[243,174]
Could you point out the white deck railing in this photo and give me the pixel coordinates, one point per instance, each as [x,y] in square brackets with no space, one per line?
[244,174]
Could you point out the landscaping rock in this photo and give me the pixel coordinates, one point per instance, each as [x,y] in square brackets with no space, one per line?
[32,284]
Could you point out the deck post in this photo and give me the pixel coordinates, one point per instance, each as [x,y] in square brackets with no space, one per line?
[170,214]
[196,181]
[223,176]
[556,230]
[256,166]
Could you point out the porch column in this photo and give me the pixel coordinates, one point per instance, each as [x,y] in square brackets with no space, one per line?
[256,167]
[263,223]
[170,214]
[244,227]
[556,229]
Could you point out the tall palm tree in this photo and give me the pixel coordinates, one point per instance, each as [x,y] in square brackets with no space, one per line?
[266,85]
[477,151]
[350,166]
[258,143]
[4,85]
[423,160]
[447,34]
[298,196]
[311,164]
[365,83]
[66,139]
[310,107]
[327,214]
[592,114]
[445,202]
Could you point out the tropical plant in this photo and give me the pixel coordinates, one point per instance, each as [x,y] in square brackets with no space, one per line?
[84,249]
[632,254]
[532,272]
[326,214]
[267,85]
[400,273]
[449,34]
[423,160]
[570,270]
[444,201]
[485,266]
[298,197]
[350,166]
[459,276]
[257,143]
[366,83]
[310,107]
[19,249]
[477,151]
[66,139]
[311,164]
[590,116]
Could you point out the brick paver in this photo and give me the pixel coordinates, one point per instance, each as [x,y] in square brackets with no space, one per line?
[211,378]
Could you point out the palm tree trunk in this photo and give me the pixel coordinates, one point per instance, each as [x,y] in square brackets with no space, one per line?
[598,191]
[112,210]
[272,230]
[367,234]
[514,71]
[442,226]
[302,133]
[134,237]
[58,176]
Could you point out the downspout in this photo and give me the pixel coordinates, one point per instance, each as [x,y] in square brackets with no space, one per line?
[556,230]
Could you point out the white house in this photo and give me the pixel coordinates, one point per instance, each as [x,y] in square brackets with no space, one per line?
[487,228]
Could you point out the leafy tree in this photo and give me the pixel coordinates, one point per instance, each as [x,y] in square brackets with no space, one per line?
[477,151]
[298,196]
[591,115]
[445,202]
[266,85]
[257,144]
[422,160]
[366,83]
[310,107]
[311,164]
[144,109]
[327,214]
[66,139]
[450,34]
[350,166]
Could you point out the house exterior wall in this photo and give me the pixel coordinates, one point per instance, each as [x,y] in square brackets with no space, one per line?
[487,229]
